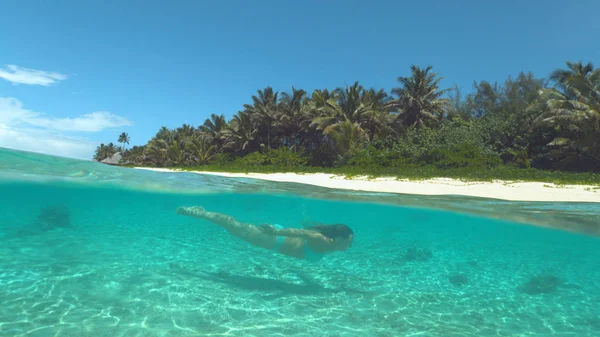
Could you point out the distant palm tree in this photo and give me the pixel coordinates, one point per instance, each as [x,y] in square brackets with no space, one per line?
[419,98]
[100,153]
[213,128]
[348,136]
[240,134]
[185,131]
[324,109]
[344,104]
[293,118]
[375,117]
[367,109]
[164,133]
[264,111]
[105,151]
[201,150]
[316,106]
[156,151]
[124,138]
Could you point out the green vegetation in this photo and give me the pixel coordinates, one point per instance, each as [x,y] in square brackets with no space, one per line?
[529,129]
[106,151]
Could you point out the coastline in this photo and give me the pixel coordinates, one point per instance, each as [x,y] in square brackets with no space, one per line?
[498,189]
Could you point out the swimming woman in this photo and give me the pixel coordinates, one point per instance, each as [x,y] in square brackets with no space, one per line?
[310,243]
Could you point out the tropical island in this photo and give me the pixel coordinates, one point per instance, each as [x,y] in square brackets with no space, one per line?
[525,129]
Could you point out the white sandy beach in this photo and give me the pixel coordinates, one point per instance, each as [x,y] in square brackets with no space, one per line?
[515,191]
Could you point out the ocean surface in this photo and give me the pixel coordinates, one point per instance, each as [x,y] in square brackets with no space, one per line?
[93,250]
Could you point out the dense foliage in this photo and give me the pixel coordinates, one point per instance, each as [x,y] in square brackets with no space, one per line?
[525,122]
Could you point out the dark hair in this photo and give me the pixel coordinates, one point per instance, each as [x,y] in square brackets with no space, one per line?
[332,231]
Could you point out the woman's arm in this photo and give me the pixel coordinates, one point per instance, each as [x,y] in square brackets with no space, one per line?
[223,220]
[294,233]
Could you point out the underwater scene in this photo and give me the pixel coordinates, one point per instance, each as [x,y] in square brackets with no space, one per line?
[93,250]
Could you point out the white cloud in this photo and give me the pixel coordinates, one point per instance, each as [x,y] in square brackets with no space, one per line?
[92,122]
[43,141]
[12,113]
[19,75]
[27,130]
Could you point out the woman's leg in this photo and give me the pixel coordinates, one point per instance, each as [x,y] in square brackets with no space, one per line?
[247,232]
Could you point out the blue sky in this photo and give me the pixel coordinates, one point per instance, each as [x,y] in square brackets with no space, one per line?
[74,74]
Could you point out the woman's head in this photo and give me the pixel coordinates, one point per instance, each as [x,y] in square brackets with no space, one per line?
[341,234]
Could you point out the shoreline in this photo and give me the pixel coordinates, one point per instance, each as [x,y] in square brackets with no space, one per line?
[498,189]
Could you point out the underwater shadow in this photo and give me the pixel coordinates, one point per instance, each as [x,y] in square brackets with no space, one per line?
[49,218]
[260,284]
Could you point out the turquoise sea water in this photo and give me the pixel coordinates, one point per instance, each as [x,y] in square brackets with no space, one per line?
[93,250]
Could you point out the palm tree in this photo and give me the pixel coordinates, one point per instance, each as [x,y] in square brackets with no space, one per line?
[180,147]
[185,131]
[577,80]
[573,108]
[105,151]
[350,101]
[177,152]
[100,153]
[213,128]
[201,150]
[156,152]
[419,98]
[240,134]
[164,133]
[341,105]
[264,112]
[135,155]
[293,118]
[157,148]
[124,138]
[348,136]
[376,118]
[368,109]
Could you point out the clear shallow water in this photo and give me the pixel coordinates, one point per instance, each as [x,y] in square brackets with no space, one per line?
[127,265]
